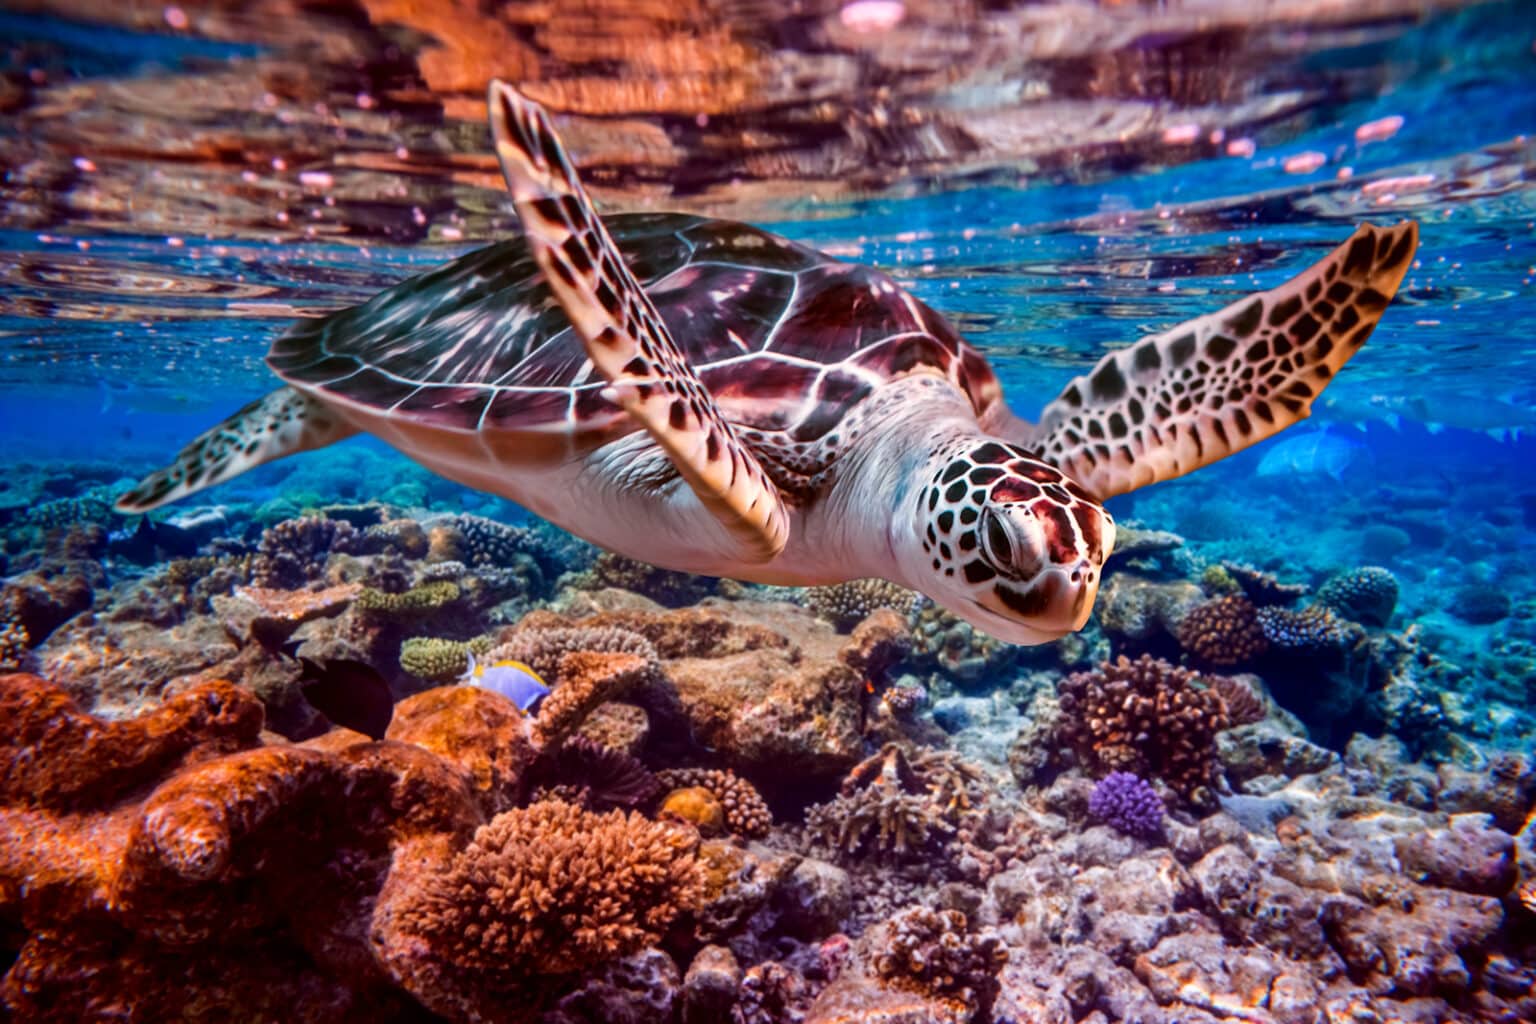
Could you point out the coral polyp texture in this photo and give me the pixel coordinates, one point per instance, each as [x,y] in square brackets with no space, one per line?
[1127,803]
[542,890]
[1367,595]
[1223,632]
[1145,716]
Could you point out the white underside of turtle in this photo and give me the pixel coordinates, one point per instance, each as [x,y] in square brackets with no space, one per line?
[708,397]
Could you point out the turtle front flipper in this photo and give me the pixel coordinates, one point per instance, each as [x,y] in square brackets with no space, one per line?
[279,424]
[1182,399]
[624,336]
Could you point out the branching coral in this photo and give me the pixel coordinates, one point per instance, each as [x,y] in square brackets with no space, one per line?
[1367,595]
[746,813]
[1144,716]
[547,889]
[845,605]
[418,602]
[1128,804]
[1224,632]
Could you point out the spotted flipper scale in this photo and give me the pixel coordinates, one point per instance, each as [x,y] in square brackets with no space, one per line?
[282,423]
[625,338]
[1182,399]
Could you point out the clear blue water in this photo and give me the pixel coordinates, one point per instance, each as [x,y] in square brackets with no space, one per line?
[141,281]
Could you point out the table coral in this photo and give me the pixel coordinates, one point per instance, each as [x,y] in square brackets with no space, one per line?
[1145,716]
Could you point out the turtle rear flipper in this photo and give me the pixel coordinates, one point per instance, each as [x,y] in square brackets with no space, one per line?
[281,423]
[1182,399]
[625,337]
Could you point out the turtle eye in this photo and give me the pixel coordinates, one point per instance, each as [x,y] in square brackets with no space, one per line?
[999,545]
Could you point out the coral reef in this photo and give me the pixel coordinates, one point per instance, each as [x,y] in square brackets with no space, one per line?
[438,659]
[745,812]
[845,605]
[1148,717]
[1242,701]
[1223,632]
[899,803]
[548,889]
[1367,595]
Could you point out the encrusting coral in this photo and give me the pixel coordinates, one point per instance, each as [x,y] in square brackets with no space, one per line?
[1148,717]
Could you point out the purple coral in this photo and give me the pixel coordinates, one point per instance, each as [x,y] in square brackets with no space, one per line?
[1127,803]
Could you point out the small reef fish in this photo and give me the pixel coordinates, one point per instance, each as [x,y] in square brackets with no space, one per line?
[1316,454]
[350,693]
[512,679]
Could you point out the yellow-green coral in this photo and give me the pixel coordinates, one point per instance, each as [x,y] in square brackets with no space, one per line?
[1217,581]
[440,660]
[414,603]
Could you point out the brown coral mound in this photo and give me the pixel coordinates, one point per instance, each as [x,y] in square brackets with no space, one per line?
[1224,632]
[746,814]
[1147,717]
[552,889]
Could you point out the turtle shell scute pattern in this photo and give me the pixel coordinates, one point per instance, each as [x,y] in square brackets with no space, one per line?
[787,339]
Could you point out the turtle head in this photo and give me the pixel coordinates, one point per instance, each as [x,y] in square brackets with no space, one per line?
[1009,543]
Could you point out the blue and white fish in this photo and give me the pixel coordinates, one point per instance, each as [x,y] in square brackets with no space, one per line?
[512,679]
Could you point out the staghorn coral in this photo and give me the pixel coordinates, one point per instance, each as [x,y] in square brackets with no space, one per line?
[1243,704]
[845,605]
[936,952]
[1224,632]
[544,889]
[418,602]
[746,814]
[438,659]
[1144,716]
[1127,803]
[1367,595]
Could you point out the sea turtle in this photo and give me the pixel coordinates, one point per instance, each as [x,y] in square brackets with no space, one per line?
[710,397]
